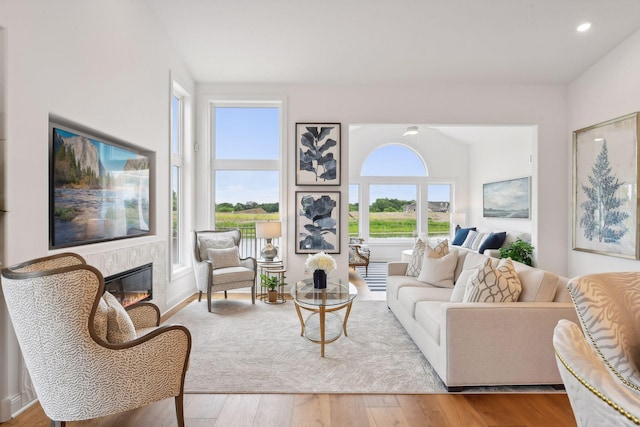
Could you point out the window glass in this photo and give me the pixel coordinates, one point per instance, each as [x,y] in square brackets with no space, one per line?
[354,215]
[392,211]
[393,160]
[175,214]
[439,210]
[176,125]
[247,133]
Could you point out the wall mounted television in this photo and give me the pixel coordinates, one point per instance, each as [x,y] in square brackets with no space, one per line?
[98,188]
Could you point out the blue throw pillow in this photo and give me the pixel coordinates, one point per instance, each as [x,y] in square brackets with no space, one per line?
[461,235]
[494,241]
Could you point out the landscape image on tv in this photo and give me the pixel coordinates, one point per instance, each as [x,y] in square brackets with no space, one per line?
[99,191]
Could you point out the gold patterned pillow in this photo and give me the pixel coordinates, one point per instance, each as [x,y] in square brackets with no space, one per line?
[489,284]
[415,263]
[440,250]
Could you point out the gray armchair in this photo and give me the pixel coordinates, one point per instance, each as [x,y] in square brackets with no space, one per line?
[65,326]
[218,266]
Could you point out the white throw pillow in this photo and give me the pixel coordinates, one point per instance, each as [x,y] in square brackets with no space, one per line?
[461,284]
[439,272]
[216,243]
[480,238]
[415,263]
[120,327]
[222,258]
[468,242]
[491,284]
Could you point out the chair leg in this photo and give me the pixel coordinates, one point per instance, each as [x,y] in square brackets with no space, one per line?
[225,294]
[180,410]
[58,423]
[253,294]
[209,300]
[200,296]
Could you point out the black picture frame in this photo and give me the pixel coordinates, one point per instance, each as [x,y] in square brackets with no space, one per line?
[317,222]
[99,188]
[318,153]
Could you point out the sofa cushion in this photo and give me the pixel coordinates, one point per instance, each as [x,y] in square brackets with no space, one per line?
[409,296]
[429,316]
[493,284]
[461,235]
[395,283]
[232,274]
[439,271]
[493,241]
[415,262]
[461,284]
[537,285]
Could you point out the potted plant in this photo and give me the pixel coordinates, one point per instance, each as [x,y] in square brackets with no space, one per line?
[271,283]
[519,250]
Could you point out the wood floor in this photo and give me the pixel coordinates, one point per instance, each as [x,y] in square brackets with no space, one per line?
[353,410]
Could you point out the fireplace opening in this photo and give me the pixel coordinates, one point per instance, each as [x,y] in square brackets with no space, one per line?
[131,286]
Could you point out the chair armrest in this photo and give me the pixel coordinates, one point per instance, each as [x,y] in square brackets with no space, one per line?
[249,263]
[202,272]
[144,314]
[397,268]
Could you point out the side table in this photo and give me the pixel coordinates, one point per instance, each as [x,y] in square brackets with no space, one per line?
[272,268]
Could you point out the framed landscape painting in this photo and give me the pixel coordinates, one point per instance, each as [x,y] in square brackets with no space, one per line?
[318,154]
[507,199]
[317,222]
[605,188]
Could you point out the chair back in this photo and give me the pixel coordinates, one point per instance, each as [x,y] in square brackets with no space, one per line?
[608,306]
[50,302]
[202,237]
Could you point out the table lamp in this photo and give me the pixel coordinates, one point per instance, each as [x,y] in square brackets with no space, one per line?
[268,230]
[457,218]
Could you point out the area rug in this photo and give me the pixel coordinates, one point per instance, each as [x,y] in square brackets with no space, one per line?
[375,277]
[245,348]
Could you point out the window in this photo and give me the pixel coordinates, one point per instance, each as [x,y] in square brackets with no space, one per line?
[179,134]
[392,211]
[439,210]
[246,175]
[354,208]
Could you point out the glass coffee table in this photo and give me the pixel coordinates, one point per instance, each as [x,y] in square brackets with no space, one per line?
[323,325]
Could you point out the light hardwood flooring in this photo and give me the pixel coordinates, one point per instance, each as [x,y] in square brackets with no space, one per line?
[353,410]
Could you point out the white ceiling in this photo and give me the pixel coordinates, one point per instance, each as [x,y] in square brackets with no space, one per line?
[393,41]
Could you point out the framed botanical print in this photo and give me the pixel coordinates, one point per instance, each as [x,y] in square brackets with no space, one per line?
[605,188]
[318,153]
[317,222]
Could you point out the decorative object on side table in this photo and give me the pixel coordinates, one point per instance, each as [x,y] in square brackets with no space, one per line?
[519,250]
[269,230]
[271,283]
[321,264]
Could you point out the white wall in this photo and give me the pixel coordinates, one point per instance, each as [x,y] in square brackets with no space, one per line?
[543,106]
[105,65]
[607,90]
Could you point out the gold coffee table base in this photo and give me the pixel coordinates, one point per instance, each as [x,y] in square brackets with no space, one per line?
[322,312]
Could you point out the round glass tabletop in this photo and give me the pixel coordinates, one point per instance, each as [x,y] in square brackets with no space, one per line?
[336,293]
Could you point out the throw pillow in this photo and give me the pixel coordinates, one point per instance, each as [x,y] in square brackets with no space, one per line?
[471,237]
[120,327]
[439,272]
[219,243]
[461,235]
[479,240]
[100,319]
[461,284]
[440,250]
[491,284]
[493,241]
[415,263]
[222,258]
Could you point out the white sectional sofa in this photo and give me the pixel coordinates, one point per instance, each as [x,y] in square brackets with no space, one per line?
[483,343]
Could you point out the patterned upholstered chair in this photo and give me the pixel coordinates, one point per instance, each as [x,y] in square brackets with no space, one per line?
[600,366]
[217,264]
[67,333]
[359,254]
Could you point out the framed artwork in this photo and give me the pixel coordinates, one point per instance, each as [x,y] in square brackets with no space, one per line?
[507,199]
[318,154]
[317,222]
[605,188]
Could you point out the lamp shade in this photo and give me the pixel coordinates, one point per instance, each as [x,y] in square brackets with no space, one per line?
[458,218]
[268,230]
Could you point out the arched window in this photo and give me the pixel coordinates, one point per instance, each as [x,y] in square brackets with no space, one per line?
[393,160]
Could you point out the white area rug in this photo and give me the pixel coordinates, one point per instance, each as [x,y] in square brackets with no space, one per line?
[245,348]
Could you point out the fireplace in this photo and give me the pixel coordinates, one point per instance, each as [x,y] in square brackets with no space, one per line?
[131,286]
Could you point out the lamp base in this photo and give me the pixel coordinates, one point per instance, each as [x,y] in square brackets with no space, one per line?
[269,252]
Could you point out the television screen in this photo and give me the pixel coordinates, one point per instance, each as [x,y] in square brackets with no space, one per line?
[99,190]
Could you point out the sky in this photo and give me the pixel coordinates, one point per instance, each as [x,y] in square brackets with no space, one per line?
[252,133]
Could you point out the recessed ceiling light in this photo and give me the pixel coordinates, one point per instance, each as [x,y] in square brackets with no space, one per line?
[584,27]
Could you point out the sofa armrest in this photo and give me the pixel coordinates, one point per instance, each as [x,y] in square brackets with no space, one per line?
[501,343]
[397,268]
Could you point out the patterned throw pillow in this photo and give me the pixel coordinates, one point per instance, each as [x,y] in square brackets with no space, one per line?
[489,284]
[120,328]
[223,258]
[415,263]
[439,251]
[471,237]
